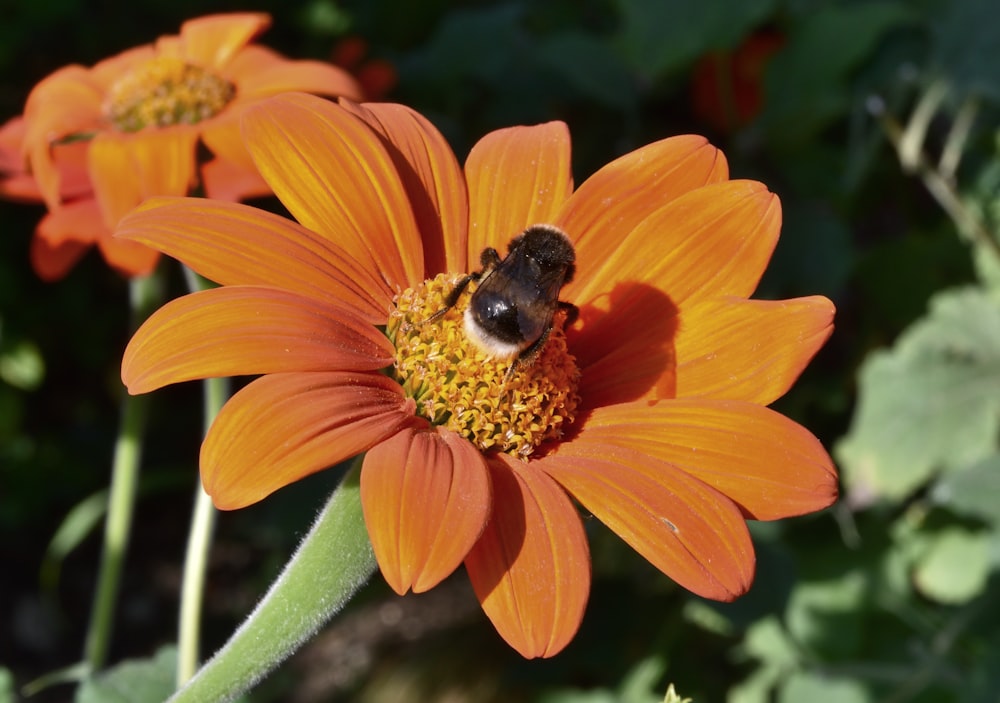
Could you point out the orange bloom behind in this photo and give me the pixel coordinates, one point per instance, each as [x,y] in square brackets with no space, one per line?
[650,410]
[141,115]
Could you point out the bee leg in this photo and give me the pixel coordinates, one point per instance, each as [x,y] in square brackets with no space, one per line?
[572,313]
[489,259]
[453,296]
[527,357]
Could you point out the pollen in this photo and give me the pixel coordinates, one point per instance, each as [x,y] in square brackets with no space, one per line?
[455,384]
[166,91]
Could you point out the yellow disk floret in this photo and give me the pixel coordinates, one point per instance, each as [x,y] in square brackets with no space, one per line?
[455,384]
[166,91]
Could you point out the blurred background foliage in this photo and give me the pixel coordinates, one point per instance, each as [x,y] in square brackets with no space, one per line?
[875,121]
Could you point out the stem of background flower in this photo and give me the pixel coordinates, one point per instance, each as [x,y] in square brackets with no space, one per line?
[333,561]
[145,295]
[196,557]
[216,392]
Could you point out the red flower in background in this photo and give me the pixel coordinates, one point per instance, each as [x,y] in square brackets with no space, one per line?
[727,88]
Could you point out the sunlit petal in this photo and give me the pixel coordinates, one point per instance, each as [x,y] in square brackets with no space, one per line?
[517,176]
[749,350]
[685,528]
[235,244]
[246,330]
[613,201]
[426,498]
[768,465]
[531,567]
[211,41]
[282,75]
[714,240]
[432,177]
[336,177]
[283,427]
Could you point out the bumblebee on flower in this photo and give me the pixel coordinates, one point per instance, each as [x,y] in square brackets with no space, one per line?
[649,409]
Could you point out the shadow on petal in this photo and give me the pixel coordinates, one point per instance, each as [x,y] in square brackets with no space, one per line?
[626,352]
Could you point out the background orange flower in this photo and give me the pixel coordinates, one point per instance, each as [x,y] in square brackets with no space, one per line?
[142,115]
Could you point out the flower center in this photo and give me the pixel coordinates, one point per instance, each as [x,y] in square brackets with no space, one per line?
[166,91]
[457,385]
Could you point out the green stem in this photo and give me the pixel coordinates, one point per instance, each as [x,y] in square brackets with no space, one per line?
[216,392]
[196,557]
[334,560]
[145,293]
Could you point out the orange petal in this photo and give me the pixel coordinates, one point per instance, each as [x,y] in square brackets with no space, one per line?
[531,567]
[127,168]
[225,180]
[433,180]
[711,241]
[283,75]
[211,41]
[517,176]
[612,202]
[284,427]
[235,244]
[426,498]
[66,102]
[335,176]
[686,529]
[628,352]
[222,136]
[768,465]
[245,330]
[53,255]
[130,259]
[751,350]
[727,347]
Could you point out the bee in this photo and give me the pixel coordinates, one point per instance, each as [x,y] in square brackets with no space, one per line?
[510,313]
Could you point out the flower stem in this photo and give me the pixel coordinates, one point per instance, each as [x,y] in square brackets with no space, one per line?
[196,557]
[216,392]
[145,293]
[333,561]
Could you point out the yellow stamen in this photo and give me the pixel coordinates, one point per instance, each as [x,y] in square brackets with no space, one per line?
[166,91]
[455,384]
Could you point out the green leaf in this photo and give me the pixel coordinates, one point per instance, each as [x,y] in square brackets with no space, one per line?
[76,526]
[815,688]
[955,567]
[133,681]
[22,366]
[808,83]
[930,404]
[6,686]
[972,491]
[590,66]
[660,37]
[827,616]
[966,33]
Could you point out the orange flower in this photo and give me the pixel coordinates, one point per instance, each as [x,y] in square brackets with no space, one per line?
[650,410]
[142,115]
